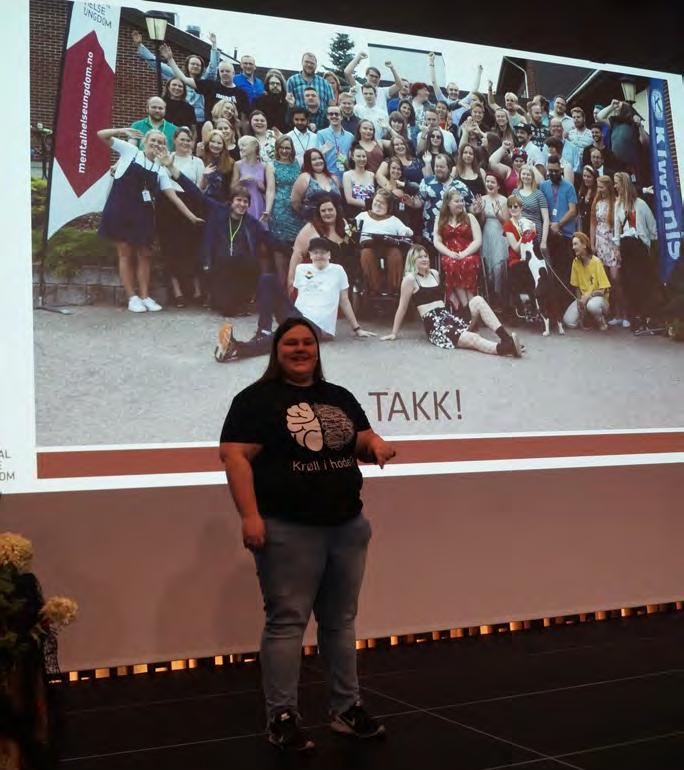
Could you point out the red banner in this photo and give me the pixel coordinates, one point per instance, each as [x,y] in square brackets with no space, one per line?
[80,173]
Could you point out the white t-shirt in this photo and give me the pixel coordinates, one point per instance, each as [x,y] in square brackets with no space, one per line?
[302,142]
[129,153]
[376,115]
[390,226]
[190,166]
[382,97]
[318,296]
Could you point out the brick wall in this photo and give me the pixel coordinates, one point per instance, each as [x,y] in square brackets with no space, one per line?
[135,82]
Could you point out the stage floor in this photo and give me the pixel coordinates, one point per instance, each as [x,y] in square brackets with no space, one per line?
[594,696]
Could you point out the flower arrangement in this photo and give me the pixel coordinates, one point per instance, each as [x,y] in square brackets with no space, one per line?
[15,551]
[28,655]
[25,619]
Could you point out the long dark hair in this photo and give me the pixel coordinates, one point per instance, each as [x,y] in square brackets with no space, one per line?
[318,199]
[274,370]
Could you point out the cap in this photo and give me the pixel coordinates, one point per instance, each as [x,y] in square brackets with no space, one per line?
[526,126]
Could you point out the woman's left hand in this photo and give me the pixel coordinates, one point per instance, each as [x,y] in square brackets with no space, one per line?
[364,333]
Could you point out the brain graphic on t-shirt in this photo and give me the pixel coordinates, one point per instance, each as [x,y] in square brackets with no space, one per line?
[312,427]
[304,426]
[338,429]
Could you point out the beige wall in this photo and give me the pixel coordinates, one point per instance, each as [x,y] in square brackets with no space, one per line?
[160,574]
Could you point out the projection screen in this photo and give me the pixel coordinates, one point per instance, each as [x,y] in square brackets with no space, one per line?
[102,398]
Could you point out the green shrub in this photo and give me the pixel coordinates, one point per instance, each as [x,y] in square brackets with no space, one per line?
[71,248]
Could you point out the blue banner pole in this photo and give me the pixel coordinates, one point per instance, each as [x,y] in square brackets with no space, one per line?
[668,197]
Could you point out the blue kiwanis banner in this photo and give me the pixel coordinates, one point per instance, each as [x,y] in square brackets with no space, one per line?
[668,197]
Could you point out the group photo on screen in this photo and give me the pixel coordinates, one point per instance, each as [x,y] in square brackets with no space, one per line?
[414,214]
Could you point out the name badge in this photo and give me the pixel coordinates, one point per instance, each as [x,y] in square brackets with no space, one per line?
[146,196]
[554,213]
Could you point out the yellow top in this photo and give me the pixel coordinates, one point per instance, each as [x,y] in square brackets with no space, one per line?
[591,277]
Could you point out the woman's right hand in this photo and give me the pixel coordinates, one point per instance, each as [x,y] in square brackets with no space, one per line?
[131,133]
[253,532]
[209,169]
[389,337]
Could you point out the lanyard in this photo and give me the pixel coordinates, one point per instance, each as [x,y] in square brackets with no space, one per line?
[233,235]
[298,138]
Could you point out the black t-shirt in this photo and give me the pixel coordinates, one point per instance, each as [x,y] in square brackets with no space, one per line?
[307,470]
[213,91]
[180,113]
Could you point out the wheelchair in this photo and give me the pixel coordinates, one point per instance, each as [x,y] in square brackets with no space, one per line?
[381,303]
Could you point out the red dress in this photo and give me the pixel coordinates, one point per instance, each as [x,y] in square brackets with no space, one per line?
[459,273]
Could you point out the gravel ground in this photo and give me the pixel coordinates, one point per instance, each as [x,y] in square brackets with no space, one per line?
[107,376]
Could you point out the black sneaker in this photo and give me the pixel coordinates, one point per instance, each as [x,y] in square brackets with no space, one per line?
[285,733]
[226,350]
[357,721]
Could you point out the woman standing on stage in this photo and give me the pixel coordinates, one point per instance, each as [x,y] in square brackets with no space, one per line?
[305,528]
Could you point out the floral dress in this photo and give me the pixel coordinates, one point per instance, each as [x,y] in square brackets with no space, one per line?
[606,249]
[285,222]
[459,273]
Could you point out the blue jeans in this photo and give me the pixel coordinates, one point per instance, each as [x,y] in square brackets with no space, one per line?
[272,302]
[301,568]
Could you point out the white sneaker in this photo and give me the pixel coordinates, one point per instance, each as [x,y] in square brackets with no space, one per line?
[626,324]
[615,322]
[150,304]
[136,305]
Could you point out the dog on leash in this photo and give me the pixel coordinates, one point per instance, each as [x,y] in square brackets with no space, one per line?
[539,270]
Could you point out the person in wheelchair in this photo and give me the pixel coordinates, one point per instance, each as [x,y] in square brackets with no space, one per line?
[381,235]
[530,290]
[327,222]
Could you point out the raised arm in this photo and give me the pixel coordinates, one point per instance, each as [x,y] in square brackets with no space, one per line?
[106,135]
[396,86]
[353,64]
[408,284]
[490,95]
[212,68]
[148,57]
[167,55]
[439,94]
[609,111]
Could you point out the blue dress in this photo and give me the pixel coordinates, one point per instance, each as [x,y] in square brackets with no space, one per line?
[285,223]
[126,216]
